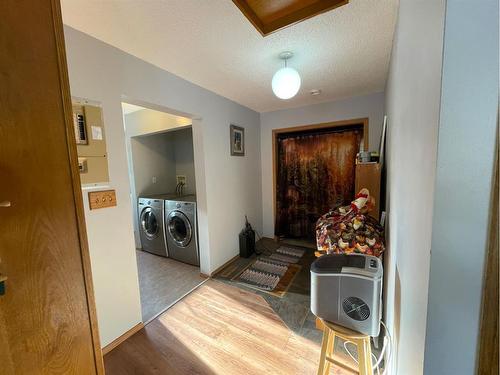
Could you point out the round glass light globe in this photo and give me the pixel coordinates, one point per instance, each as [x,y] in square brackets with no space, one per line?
[286,83]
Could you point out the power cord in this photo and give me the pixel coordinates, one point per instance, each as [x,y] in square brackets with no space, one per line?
[374,357]
[387,340]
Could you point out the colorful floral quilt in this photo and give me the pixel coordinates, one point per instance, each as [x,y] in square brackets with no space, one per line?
[349,229]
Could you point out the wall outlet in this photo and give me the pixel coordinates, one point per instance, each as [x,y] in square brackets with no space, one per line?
[181,179]
[154,179]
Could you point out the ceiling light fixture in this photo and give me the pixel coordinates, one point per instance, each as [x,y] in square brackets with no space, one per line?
[286,81]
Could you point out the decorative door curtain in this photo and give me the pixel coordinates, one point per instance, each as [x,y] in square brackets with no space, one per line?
[315,172]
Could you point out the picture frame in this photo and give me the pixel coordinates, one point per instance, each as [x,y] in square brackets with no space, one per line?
[237,140]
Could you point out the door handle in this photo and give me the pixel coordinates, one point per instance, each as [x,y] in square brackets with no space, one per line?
[5,204]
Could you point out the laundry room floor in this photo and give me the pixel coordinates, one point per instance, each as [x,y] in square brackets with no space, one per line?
[163,281]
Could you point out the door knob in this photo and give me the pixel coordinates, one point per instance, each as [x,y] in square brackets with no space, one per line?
[5,204]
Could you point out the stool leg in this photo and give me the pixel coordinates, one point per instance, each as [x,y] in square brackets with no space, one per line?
[364,356]
[330,349]
[324,347]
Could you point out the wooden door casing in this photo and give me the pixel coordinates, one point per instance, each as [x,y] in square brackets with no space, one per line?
[47,316]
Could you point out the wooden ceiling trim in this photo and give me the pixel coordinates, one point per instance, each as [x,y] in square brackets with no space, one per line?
[252,9]
[249,13]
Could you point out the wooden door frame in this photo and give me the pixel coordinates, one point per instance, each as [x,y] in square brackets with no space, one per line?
[300,128]
[487,362]
[76,184]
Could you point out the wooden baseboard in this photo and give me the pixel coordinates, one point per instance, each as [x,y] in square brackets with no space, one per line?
[122,338]
[212,274]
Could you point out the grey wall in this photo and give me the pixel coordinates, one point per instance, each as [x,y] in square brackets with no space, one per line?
[145,129]
[162,156]
[105,74]
[370,106]
[466,146]
[153,156]
[412,107]
[184,157]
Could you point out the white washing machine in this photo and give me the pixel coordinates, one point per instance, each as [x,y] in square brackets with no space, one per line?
[151,225]
[181,230]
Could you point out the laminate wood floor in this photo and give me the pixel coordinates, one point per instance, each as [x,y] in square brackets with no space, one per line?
[294,306]
[217,329]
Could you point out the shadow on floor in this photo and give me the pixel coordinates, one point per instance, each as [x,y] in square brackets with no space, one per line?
[146,353]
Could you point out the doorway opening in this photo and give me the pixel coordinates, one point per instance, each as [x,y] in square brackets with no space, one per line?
[314,170]
[161,168]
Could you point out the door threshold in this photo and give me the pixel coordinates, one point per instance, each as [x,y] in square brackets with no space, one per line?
[177,300]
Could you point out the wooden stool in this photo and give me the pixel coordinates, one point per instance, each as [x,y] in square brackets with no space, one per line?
[330,332]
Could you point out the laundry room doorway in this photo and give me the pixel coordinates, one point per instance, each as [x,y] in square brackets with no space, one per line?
[161,167]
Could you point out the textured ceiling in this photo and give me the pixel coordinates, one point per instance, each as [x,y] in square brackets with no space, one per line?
[344,52]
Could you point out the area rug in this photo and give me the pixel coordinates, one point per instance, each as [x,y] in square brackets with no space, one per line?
[272,274]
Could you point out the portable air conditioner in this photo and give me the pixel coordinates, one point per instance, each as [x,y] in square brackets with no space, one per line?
[347,290]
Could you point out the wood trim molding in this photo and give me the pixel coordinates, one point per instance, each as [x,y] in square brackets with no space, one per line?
[359,121]
[287,18]
[488,359]
[75,177]
[113,344]
[249,13]
[212,274]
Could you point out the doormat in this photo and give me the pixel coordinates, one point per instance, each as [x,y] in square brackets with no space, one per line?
[272,274]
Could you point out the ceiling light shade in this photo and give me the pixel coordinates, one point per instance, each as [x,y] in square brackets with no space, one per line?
[286,83]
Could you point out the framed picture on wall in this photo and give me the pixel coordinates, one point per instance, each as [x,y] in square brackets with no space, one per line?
[237,138]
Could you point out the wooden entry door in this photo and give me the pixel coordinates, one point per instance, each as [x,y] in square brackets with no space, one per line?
[47,317]
[314,170]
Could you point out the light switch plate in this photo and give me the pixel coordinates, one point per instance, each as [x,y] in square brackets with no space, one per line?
[82,165]
[102,199]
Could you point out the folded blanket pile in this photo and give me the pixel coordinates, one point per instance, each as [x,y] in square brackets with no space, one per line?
[349,229]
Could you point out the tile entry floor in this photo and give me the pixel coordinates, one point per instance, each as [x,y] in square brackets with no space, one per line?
[163,281]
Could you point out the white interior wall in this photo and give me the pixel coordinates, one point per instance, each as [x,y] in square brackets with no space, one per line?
[149,121]
[184,158]
[153,158]
[103,73]
[466,151]
[367,106]
[412,107]
[160,157]
[152,151]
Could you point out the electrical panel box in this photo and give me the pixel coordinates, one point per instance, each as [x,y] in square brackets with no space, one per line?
[90,143]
